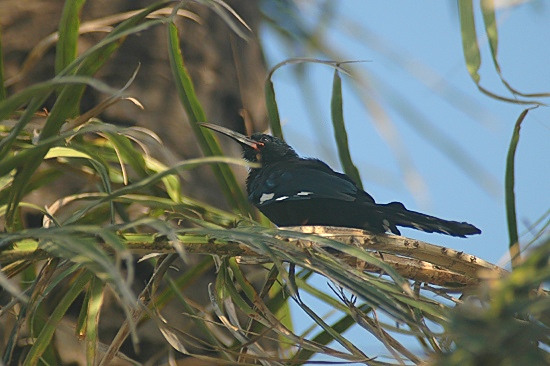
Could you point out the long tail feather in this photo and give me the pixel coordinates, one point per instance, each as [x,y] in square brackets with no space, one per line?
[397,215]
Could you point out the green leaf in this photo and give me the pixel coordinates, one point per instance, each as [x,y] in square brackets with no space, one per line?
[70,95]
[42,89]
[95,161]
[271,102]
[509,184]
[186,91]
[65,152]
[332,333]
[325,337]
[35,96]
[79,245]
[68,34]
[171,182]
[340,134]
[469,39]
[3,93]
[127,153]
[392,297]
[472,56]
[272,108]
[95,301]
[229,16]
[197,320]
[184,281]
[244,284]
[488,11]
[67,43]
[489,19]
[44,338]
[153,179]
[100,52]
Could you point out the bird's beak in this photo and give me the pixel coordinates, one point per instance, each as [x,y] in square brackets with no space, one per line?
[241,139]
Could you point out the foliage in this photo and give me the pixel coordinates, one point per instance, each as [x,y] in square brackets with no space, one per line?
[513,328]
[132,203]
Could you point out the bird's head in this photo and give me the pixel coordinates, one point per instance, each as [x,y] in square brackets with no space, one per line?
[259,147]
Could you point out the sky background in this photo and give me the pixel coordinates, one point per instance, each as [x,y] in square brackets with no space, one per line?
[417,75]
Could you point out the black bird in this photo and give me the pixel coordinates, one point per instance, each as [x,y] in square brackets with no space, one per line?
[293,191]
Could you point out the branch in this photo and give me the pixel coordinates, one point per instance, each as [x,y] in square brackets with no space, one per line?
[413,259]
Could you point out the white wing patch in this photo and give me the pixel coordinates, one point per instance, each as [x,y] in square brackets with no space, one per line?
[266,197]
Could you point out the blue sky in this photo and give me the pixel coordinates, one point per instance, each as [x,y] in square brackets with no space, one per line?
[427,88]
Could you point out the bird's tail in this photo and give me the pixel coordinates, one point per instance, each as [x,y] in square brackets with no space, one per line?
[395,214]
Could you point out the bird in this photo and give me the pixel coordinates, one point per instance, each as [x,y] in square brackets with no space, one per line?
[294,191]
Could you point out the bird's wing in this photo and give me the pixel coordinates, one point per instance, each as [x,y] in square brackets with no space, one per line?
[304,182]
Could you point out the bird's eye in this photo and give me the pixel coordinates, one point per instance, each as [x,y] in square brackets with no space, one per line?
[263,139]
